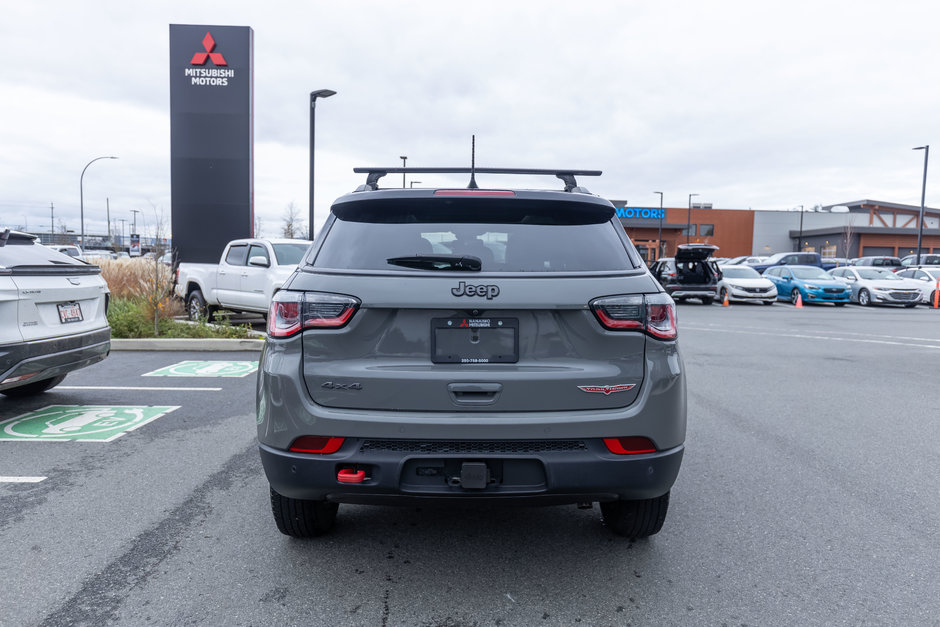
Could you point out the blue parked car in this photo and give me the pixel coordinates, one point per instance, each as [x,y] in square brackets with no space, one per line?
[812,283]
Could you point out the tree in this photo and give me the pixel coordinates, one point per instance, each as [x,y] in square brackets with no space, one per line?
[293,226]
[159,289]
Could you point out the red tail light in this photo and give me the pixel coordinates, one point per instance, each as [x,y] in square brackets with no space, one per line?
[654,314]
[632,445]
[292,312]
[316,444]
[474,192]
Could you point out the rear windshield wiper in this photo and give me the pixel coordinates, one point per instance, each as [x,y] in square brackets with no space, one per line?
[464,263]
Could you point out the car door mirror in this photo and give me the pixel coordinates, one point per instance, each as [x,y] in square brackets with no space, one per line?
[259,260]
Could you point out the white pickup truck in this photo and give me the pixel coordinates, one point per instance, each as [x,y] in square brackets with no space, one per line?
[245,279]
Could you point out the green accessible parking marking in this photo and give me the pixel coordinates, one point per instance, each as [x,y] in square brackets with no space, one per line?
[90,423]
[206,369]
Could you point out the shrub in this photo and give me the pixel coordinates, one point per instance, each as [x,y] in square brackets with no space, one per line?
[129,318]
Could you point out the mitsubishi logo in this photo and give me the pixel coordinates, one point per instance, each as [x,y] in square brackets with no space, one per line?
[209,44]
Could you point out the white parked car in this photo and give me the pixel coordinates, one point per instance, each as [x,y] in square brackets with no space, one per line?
[878,285]
[744,283]
[68,249]
[926,278]
[53,309]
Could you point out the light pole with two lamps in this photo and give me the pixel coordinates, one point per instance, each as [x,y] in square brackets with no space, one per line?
[320,93]
[799,241]
[659,238]
[81,198]
[923,192]
[688,222]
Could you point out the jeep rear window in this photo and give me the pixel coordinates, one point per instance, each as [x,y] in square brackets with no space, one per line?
[520,235]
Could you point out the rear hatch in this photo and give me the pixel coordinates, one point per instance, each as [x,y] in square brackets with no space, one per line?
[474,303]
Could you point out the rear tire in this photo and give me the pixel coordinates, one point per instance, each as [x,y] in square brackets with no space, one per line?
[300,518]
[31,389]
[708,301]
[636,519]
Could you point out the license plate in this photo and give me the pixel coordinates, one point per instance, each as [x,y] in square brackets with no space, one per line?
[70,312]
[475,340]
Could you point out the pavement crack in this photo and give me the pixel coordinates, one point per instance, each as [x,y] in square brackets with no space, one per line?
[101,595]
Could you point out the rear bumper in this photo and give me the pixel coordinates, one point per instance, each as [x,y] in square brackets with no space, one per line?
[44,359]
[693,292]
[531,472]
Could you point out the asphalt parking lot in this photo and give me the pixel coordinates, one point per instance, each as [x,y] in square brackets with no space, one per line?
[808,495]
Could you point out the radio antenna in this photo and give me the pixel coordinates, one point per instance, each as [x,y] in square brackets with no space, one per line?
[473,162]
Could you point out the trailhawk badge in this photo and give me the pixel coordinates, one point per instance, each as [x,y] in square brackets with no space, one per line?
[607,389]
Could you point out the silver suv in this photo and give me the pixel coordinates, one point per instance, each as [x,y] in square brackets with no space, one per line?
[485,345]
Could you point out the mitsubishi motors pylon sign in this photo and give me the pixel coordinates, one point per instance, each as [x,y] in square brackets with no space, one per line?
[211,142]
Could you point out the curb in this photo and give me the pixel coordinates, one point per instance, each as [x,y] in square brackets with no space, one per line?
[177,344]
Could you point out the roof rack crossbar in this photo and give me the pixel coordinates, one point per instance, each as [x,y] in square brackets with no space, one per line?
[567,176]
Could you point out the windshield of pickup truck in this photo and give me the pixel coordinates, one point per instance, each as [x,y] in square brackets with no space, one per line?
[290,254]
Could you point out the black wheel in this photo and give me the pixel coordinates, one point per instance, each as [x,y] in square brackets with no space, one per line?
[37,387]
[636,519]
[708,300]
[795,295]
[302,519]
[196,306]
[723,295]
[864,298]
[933,296]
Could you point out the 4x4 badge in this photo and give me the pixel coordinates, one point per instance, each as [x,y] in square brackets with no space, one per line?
[607,389]
[462,289]
[330,385]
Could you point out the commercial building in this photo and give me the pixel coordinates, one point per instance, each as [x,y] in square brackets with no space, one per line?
[851,229]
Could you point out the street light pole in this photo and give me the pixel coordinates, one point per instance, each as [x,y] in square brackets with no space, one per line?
[799,242]
[122,232]
[923,192]
[659,238]
[81,197]
[135,212]
[404,164]
[688,222]
[320,93]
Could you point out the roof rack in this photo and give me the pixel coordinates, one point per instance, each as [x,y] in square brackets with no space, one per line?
[567,176]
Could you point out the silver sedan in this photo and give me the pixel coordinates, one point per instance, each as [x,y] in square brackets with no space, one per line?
[871,285]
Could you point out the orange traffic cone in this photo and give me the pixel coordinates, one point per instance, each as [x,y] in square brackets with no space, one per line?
[936,296]
[799,300]
[726,302]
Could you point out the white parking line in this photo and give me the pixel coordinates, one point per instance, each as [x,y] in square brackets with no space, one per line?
[832,338]
[21,479]
[134,388]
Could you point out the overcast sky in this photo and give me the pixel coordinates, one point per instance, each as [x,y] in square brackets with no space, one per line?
[766,105]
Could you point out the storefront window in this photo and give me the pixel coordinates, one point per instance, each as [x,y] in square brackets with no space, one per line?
[706,230]
[689,230]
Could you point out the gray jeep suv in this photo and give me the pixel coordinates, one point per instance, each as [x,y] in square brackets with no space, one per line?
[471,344]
